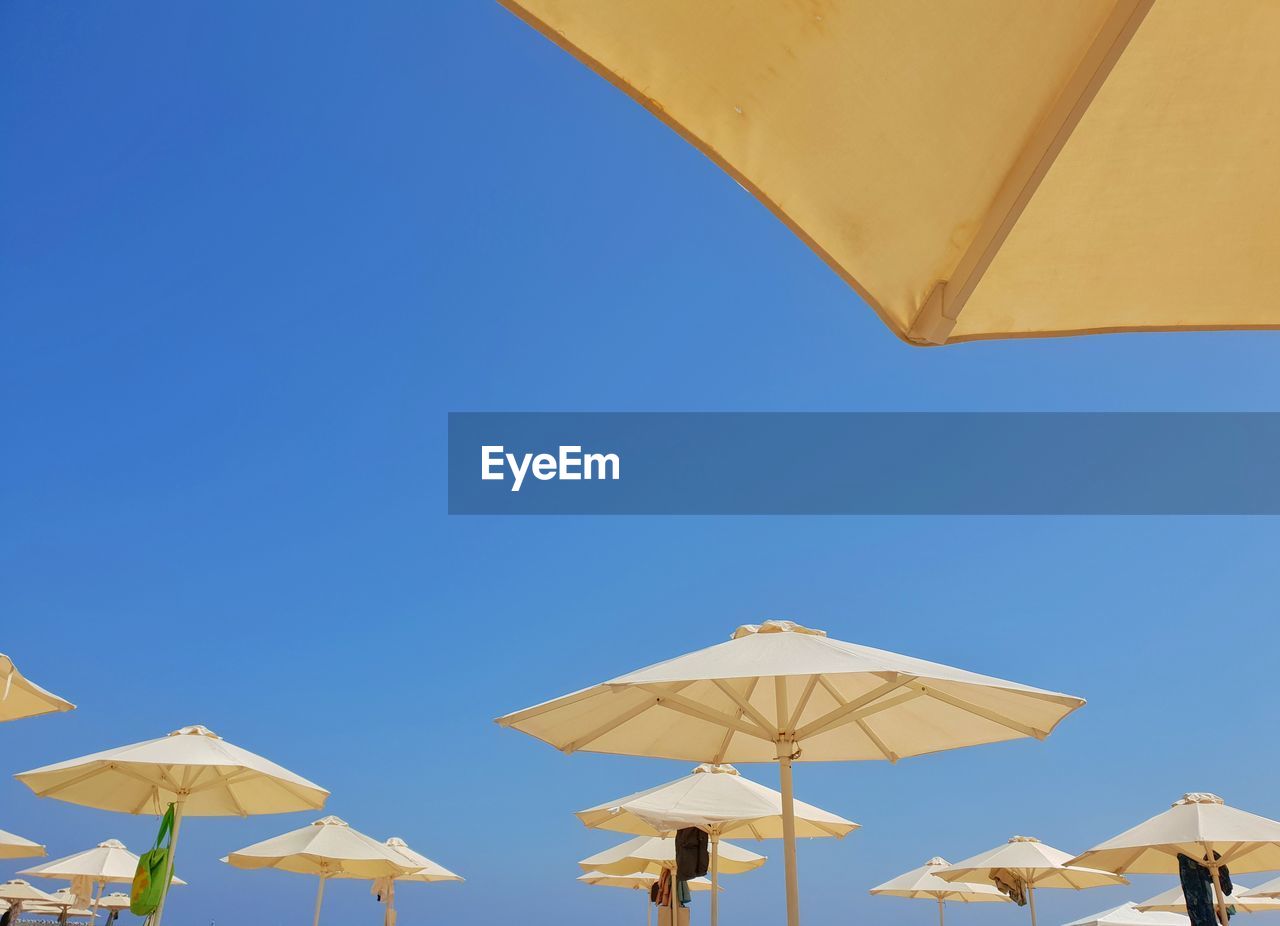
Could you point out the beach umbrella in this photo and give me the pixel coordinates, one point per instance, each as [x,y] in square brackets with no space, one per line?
[328,848]
[1266,890]
[1203,828]
[426,872]
[993,170]
[640,881]
[12,846]
[781,692]
[651,854]
[113,904]
[64,904]
[18,893]
[21,697]
[1243,899]
[717,799]
[193,768]
[923,883]
[109,862]
[1129,914]
[1026,863]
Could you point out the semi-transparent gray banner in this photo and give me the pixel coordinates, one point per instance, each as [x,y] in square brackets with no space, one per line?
[864,463]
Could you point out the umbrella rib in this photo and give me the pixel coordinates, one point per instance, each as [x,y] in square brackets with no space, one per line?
[69,783]
[682,705]
[841,713]
[609,725]
[744,706]
[728,734]
[802,703]
[978,711]
[879,743]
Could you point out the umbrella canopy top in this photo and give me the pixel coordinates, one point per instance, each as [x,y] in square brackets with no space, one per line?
[779,689]
[115,901]
[715,798]
[426,870]
[1028,860]
[21,697]
[20,891]
[1195,825]
[12,846]
[329,847]
[1065,110]
[63,899]
[924,883]
[108,862]
[213,778]
[1128,914]
[639,881]
[1172,901]
[651,854]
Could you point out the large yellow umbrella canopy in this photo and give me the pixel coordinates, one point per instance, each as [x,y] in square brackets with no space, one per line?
[193,768]
[12,846]
[923,883]
[1244,900]
[328,848]
[1200,826]
[21,697]
[1002,168]
[109,862]
[719,800]
[781,692]
[651,854]
[1031,864]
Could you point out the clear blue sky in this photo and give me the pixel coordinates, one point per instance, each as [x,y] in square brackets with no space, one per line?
[252,254]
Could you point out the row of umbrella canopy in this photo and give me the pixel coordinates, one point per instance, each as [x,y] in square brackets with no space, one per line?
[201,775]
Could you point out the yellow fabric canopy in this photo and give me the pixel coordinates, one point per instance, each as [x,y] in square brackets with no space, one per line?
[988,169]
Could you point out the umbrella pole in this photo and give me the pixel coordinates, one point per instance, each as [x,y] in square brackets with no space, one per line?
[1031,902]
[648,908]
[789,832]
[173,850]
[941,905]
[319,901]
[1219,897]
[675,917]
[97,899]
[715,879]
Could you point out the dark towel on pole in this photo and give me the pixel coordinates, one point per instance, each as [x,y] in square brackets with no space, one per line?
[692,857]
[1197,889]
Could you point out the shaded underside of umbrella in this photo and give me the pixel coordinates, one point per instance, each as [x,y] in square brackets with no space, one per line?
[779,682]
[923,883]
[1128,914]
[19,891]
[1033,863]
[1195,825]
[1173,901]
[715,798]
[651,854]
[424,869]
[106,863]
[1266,889]
[20,697]
[328,848]
[639,881]
[1065,211]
[114,901]
[12,846]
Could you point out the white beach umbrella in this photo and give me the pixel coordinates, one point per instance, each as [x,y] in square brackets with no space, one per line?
[651,854]
[1026,862]
[114,901]
[717,799]
[1172,901]
[923,883]
[1203,828]
[781,692]
[328,848]
[21,697]
[109,862]
[1129,914]
[12,846]
[640,881]
[193,768]
[64,904]
[18,893]
[425,871]
[1265,890]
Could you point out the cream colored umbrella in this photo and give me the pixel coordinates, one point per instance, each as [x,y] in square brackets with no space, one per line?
[425,871]
[1002,169]
[1268,889]
[1130,914]
[1172,901]
[651,854]
[1026,863]
[64,905]
[640,881]
[1202,827]
[114,902]
[923,883]
[21,697]
[12,846]
[328,848]
[18,893]
[782,692]
[109,862]
[193,768]
[717,799]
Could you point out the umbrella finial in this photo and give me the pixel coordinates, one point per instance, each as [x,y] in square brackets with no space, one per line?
[111,844]
[196,730]
[1023,839]
[937,862]
[708,768]
[747,630]
[330,820]
[1198,797]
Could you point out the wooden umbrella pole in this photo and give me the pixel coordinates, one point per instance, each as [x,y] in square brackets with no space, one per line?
[648,907]
[941,906]
[715,879]
[1031,902]
[1220,899]
[319,901]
